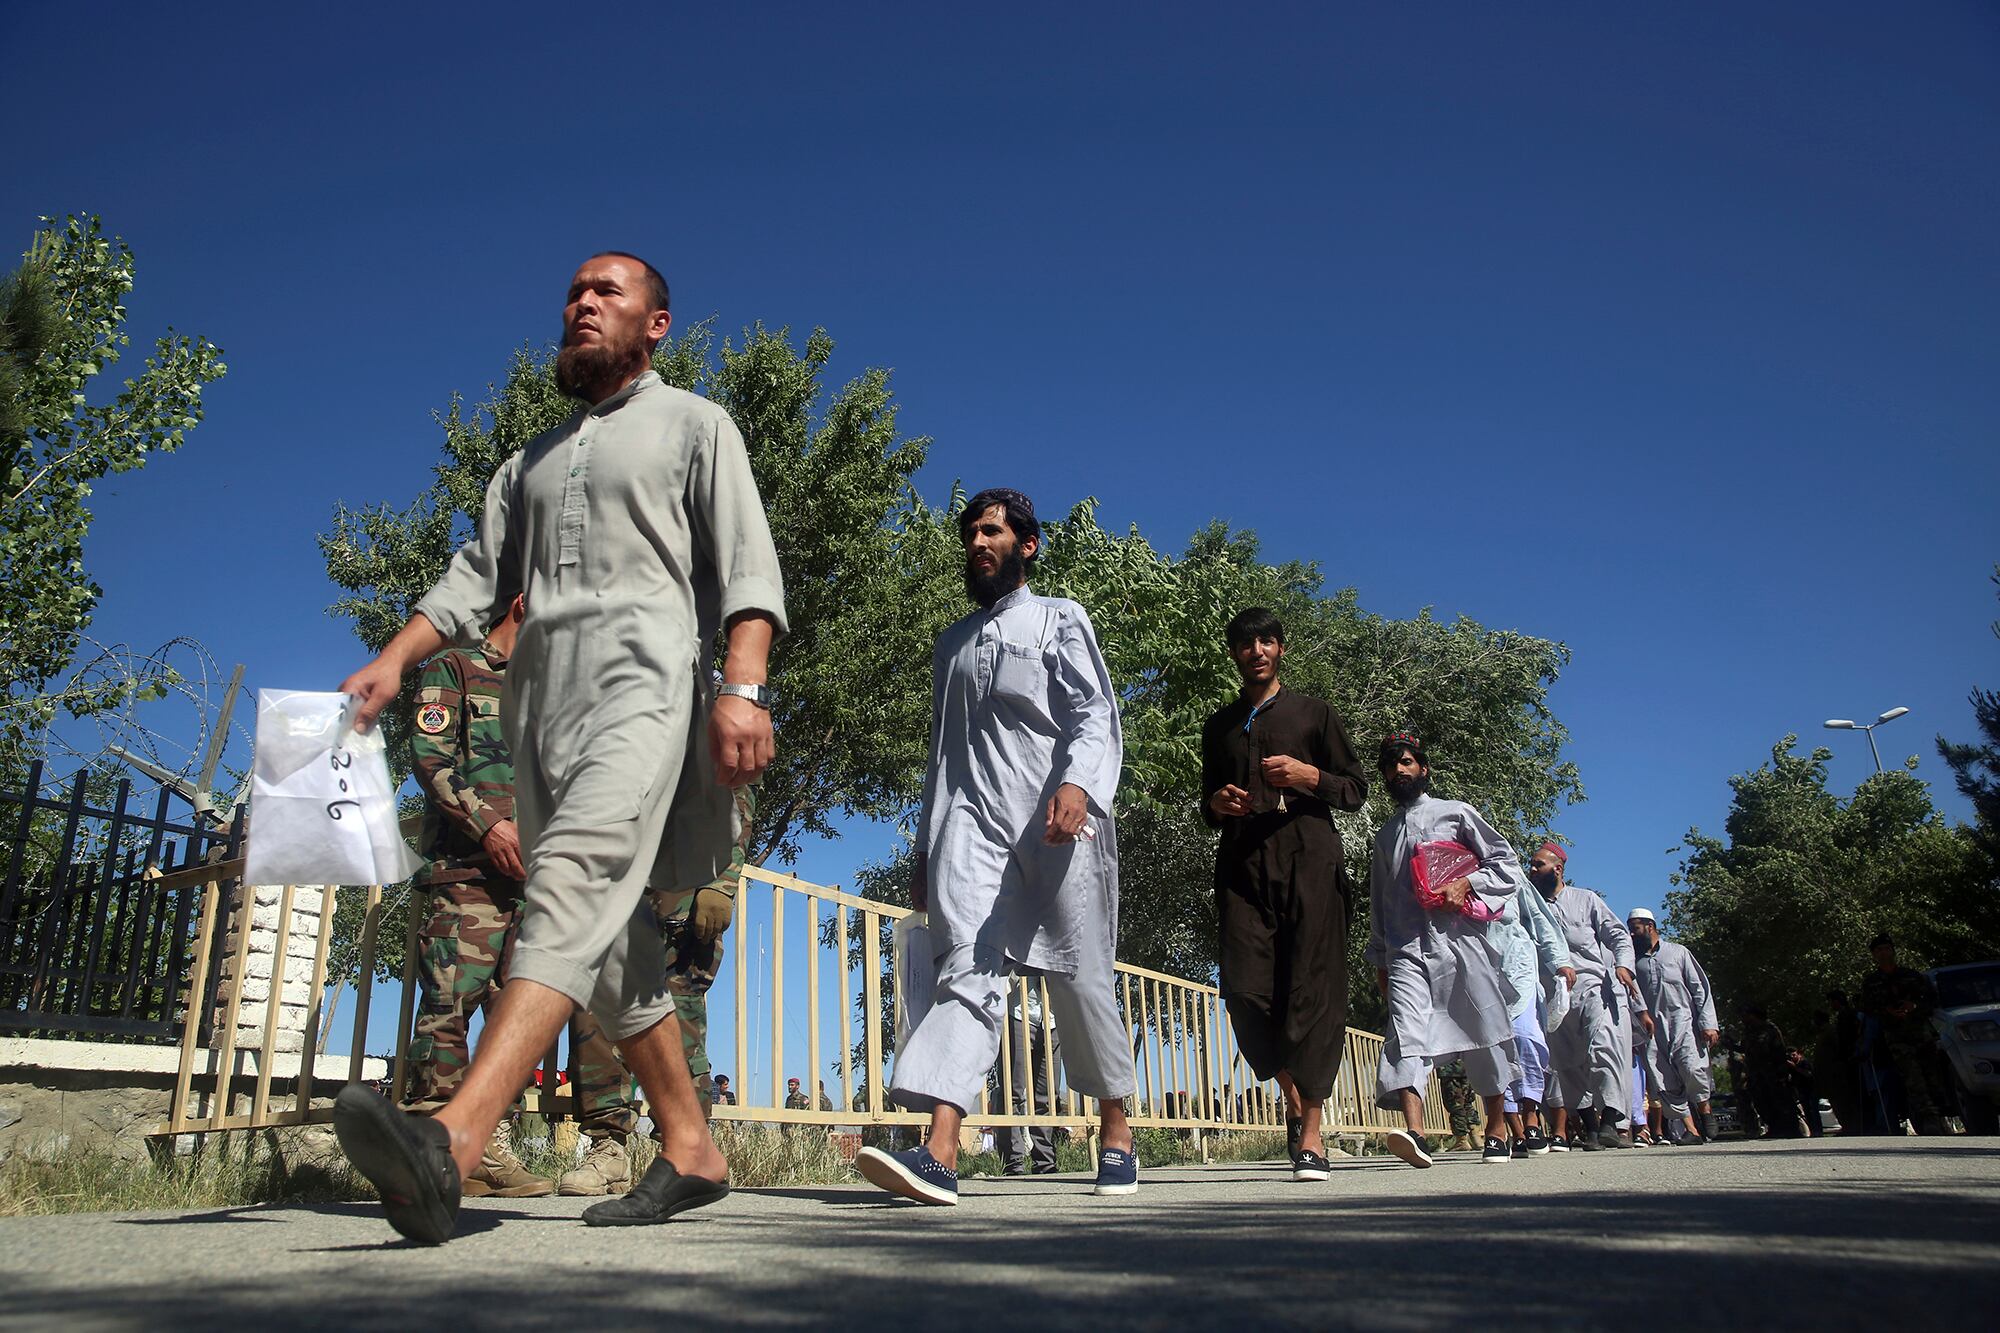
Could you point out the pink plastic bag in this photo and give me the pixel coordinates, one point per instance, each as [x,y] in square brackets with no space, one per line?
[1437,864]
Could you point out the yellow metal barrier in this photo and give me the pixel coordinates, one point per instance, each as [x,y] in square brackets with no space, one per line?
[1186,1067]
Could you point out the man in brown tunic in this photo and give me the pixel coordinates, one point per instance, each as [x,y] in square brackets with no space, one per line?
[1275,764]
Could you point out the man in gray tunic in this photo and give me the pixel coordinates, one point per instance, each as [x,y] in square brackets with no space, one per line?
[619,526]
[1592,1050]
[1017,854]
[1678,995]
[1447,990]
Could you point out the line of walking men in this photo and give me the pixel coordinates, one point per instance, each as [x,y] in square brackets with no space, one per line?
[590,814]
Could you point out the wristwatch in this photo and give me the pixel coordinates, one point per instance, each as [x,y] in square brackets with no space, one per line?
[756,694]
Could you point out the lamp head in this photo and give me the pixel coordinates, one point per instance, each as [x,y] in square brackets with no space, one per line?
[1839,724]
[1892,715]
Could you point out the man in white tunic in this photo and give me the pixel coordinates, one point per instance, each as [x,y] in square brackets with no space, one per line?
[1534,955]
[617,526]
[1442,976]
[1682,1003]
[1017,854]
[1592,1050]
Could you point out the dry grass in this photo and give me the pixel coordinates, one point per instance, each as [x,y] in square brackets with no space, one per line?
[227,1171]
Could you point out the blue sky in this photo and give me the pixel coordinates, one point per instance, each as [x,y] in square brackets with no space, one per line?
[1668,335]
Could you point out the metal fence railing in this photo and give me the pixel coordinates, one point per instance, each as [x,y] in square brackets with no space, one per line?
[824,989]
[96,910]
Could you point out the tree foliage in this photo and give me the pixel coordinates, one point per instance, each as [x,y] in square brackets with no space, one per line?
[64,318]
[1976,767]
[1783,906]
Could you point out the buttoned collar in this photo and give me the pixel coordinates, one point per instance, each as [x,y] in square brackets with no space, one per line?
[1011,600]
[643,380]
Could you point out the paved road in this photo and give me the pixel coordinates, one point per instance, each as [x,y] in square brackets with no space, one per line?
[1828,1234]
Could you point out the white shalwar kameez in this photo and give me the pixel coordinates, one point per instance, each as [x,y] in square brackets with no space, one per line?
[1532,951]
[1592,1050]
[627,527]
[1448,994]
[1021,703]
[1683,1005]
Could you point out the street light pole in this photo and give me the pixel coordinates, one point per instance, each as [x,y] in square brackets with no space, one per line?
[1844,724]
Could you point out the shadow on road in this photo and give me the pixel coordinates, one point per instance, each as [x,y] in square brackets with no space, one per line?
[1834,1252]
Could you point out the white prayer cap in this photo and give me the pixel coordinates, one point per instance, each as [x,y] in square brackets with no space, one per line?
[1639,914]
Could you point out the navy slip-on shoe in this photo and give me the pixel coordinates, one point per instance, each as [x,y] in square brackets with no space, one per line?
[407,1158]
[1117,1172]
[913,1173]
[1309,1165]
[1495,1153]
[660,1194]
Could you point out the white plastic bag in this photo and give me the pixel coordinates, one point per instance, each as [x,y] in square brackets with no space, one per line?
[1557,1007]
[321,807]
[916,973]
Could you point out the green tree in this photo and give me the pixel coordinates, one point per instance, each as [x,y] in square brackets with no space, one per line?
[65,325]
[1976,768]
[1782,907]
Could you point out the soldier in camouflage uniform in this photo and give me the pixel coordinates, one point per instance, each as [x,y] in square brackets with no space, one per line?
[1902,1000]
[473,874]
[1459,1103]
[692,922]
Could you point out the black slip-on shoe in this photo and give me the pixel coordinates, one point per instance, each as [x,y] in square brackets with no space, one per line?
[407,1158]
[1412,1148]
[1309,1165]
[1495,1153]
[661,1194]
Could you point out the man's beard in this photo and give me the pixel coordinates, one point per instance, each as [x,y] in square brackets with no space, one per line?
[1404,789]
[986,589]
[590,372]
[1545,880]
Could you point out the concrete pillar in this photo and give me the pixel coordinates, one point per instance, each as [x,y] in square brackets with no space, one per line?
[287,964]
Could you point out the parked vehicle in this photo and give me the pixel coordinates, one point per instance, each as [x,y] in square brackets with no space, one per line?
[1968,1028]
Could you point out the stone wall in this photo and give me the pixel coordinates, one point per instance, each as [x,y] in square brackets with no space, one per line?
[56,1095]
[261,967]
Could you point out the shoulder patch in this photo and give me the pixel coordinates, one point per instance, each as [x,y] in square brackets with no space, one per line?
[433,718]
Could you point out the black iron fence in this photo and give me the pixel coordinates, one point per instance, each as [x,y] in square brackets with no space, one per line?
[96,934]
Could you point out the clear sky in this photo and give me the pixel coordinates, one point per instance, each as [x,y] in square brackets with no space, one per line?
[1668,335]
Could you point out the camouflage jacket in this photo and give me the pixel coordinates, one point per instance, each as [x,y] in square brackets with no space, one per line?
[461,762]
[1882,991]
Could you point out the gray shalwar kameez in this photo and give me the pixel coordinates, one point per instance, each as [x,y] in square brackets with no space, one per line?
[1683,1006]
[1448,993]
[614,524]
[1021,703]
[1592,1050]
[1532,949]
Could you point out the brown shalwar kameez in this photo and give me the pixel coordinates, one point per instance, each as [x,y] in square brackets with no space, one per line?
[1281,887]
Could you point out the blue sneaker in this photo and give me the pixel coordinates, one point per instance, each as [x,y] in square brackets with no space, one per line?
[1117,1172]
[914,1174]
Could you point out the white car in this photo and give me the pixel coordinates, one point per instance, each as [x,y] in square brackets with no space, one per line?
[1968,1027]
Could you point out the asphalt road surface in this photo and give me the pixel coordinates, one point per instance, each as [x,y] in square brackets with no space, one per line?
[1828,1234]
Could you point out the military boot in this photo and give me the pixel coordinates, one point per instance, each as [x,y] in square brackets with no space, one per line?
[501,1175]
[603,1170]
